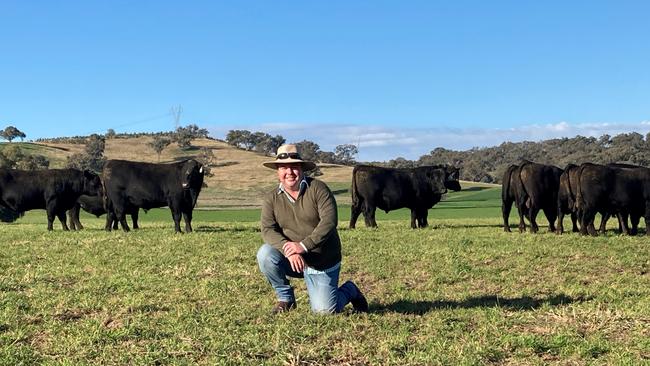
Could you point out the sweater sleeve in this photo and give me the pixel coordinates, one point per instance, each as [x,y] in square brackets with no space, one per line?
[326,205]
[271,230]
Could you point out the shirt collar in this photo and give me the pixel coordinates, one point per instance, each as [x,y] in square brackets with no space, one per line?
[303,186]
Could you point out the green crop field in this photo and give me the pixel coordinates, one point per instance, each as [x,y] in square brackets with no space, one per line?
[461,291]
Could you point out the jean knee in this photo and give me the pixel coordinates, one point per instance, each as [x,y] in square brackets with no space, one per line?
[324,309]
[265,257]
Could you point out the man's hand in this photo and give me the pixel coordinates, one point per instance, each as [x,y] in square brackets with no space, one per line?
[297,263]
[291,247]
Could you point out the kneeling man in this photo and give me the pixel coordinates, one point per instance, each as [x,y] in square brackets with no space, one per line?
[299,220]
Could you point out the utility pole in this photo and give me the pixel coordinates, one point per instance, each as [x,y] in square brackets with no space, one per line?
[176,113]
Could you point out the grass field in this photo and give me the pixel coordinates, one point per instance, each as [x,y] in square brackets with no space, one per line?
[459,292]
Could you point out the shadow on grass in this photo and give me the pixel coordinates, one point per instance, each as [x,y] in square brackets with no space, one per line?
[475,189]
[489,301]
[216,229]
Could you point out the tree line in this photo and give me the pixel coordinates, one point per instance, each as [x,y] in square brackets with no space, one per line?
[485,164]
[488,164]
[266,144]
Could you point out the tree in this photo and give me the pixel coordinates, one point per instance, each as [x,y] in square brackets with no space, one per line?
[345,153]
[197,132]
[401,162]
[110,133]
[12,157]
[238,138]
[265,143]
[308,150]
[159,144]
[11,132]
[93,156]
[183,136]
[34,162]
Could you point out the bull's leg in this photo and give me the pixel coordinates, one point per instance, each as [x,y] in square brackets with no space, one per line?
[369,216]
[506,206]
[423,218]
[355,211]
[114,222]
[603,222]
[551,215]
[560,224]
[50,208]
[61,216]
[120,215]
[122,219]
[187,217]
[414,218]
[176,216]
[73,217]
[622,221]
[583,221]
[532,212]
[647,218]
[574,222]
[589,216]
[521,211]
[634,220]
[134,218]
[109,221]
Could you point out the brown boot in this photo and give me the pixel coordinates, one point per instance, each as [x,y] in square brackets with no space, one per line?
[283,306]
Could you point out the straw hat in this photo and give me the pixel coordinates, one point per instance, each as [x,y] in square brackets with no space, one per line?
[288,154]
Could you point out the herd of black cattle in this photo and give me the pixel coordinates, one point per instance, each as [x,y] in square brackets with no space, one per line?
[125,187]
[580,191]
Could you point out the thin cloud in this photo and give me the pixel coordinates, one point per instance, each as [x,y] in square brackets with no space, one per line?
[380,143]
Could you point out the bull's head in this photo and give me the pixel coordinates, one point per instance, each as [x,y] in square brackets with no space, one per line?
[451,178]
[92,185]
[193,174]
[436,178]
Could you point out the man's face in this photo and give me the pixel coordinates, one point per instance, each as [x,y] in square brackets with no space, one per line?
[290,175]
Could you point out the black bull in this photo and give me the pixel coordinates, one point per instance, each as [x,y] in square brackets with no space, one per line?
[616,188]
[532,187]
[390,189]
[131,185]
[55,190]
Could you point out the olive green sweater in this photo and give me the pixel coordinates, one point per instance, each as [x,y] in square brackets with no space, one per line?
[311,219]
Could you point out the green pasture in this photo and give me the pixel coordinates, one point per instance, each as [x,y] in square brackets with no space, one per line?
[475,202]
[461,292]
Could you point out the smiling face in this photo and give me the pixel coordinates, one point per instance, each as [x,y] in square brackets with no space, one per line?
[290,176]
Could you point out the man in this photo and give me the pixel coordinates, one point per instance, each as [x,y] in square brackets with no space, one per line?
[299,220]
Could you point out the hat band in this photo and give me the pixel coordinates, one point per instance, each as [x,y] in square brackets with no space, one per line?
[282,156]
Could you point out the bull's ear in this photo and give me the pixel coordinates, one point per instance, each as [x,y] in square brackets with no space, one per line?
[201,169]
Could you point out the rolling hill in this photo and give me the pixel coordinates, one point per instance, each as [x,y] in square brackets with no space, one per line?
[239,180]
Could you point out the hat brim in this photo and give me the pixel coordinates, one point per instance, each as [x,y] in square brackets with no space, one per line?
[306,165]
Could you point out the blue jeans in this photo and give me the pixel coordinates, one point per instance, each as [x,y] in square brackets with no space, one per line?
[322,286]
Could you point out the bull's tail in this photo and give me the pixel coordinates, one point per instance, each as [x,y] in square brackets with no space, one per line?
[571,200]
[579,202]
[525,195]
[505,185]
[355,194]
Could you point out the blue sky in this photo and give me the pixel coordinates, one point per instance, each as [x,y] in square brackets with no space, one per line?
[397,77]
